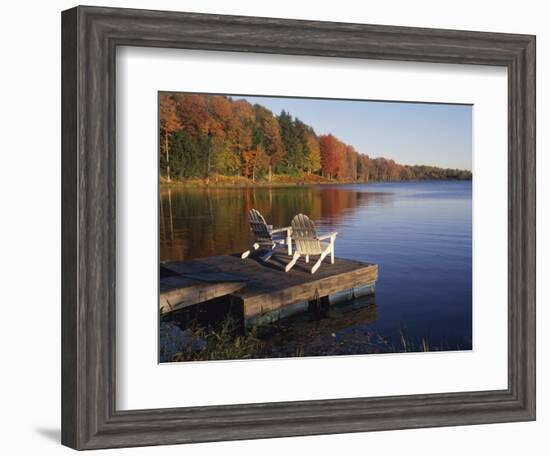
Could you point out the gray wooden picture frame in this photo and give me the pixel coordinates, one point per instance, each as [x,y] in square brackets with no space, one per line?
[90,36]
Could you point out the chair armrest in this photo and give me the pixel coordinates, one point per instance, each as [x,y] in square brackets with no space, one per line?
[278,230]
[329,235]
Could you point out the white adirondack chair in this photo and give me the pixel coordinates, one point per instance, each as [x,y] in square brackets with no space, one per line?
[308,243]
[266,237]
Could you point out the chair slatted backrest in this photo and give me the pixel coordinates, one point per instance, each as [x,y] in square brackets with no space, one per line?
[305,235]
[259,227]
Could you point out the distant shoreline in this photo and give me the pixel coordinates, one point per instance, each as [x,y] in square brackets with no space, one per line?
[242,182]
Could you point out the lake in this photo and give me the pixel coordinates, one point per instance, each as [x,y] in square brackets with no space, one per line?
[419,234]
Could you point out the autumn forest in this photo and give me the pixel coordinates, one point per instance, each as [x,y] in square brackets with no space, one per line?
[205,137]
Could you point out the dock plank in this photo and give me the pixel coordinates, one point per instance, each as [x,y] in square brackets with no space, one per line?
[260,287]
[195,292]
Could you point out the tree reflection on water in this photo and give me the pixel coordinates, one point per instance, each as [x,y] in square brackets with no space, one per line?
[202,222]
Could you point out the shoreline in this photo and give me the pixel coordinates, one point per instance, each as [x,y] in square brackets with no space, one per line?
[239,183]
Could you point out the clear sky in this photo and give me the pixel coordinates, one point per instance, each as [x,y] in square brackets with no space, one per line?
[410,133]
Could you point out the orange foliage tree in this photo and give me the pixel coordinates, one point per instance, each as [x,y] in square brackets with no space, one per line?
[169,124]
[254,162]
[330,160]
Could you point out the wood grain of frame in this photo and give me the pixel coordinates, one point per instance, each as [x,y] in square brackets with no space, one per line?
[90,36]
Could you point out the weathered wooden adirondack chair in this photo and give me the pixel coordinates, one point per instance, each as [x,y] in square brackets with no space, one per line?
[266,237]
[308,243]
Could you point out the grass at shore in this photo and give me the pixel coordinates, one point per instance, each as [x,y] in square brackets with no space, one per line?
[243,182]
[224,343]
[227,342]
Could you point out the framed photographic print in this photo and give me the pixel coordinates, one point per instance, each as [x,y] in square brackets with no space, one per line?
[279,228]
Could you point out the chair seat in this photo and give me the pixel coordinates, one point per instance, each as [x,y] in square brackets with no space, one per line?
[270,243]
[279,237]
[323,246]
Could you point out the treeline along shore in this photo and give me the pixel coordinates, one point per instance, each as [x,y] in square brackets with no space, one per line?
[213,139]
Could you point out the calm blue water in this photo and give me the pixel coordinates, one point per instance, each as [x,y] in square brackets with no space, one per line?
[419,234]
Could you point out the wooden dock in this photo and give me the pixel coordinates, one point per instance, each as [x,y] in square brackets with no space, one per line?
[264,290]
